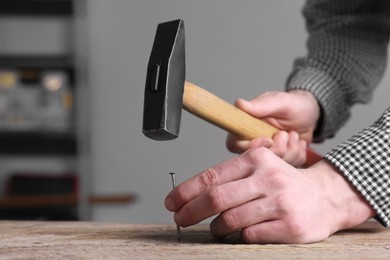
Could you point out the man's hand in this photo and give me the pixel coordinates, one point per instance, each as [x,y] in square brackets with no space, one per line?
[269,201]
[296,113]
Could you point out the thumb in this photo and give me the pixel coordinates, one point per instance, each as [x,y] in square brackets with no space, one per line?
[245,105]
[258,107]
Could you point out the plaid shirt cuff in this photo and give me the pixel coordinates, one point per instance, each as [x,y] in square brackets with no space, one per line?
[330,97]
[364,160]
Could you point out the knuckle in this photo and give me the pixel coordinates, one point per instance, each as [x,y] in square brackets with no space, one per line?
[180,193]
[210,177]
[284,204]
[230,220]
[185,217]
[294,226]
[257,155]
[296,229]
[249,235]
[279,182]
[216,199]
[281,211]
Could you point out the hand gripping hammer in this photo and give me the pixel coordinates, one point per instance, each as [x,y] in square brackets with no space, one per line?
[166,92]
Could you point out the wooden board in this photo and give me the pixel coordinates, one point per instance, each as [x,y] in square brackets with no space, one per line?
[93,240]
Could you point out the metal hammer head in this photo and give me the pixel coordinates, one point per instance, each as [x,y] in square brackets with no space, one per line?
[165,82]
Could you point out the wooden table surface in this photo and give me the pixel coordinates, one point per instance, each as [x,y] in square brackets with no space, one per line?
[94,240]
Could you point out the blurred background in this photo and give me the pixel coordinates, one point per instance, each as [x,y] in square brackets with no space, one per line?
[72,76]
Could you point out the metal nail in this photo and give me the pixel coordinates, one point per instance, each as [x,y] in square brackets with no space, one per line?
[178,232]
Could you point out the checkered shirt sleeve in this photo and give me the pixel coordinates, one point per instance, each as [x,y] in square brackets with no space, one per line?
[365,161]
[347,51]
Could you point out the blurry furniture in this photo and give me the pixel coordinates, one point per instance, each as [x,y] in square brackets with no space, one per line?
[37,106]
[37,78]
[40,115]
[44,196]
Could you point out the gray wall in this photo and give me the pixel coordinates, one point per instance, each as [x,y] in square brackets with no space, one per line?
[233,48]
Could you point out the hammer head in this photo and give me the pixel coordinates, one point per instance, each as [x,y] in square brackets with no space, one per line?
[165,82]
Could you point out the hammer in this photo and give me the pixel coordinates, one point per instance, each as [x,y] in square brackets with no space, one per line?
[166,92]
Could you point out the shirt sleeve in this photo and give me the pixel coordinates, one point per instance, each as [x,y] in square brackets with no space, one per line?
[364,160]
[347,49]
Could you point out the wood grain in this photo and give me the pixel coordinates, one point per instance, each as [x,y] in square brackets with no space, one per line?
[221,113]
[93,240]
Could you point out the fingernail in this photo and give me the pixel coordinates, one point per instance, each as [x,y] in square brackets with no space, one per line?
[169,204]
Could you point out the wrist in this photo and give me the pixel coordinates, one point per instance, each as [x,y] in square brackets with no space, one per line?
[344,205]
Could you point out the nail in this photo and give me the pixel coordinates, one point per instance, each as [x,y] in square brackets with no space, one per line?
[170,202]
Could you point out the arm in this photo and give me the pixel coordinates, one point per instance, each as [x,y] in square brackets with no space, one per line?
[364,160]
[346,58]
[347,49]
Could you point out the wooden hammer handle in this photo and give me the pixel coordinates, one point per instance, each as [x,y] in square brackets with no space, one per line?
[221,113]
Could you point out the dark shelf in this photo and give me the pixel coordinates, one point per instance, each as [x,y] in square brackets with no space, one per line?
[36,61]
[37,143]
[36,7]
